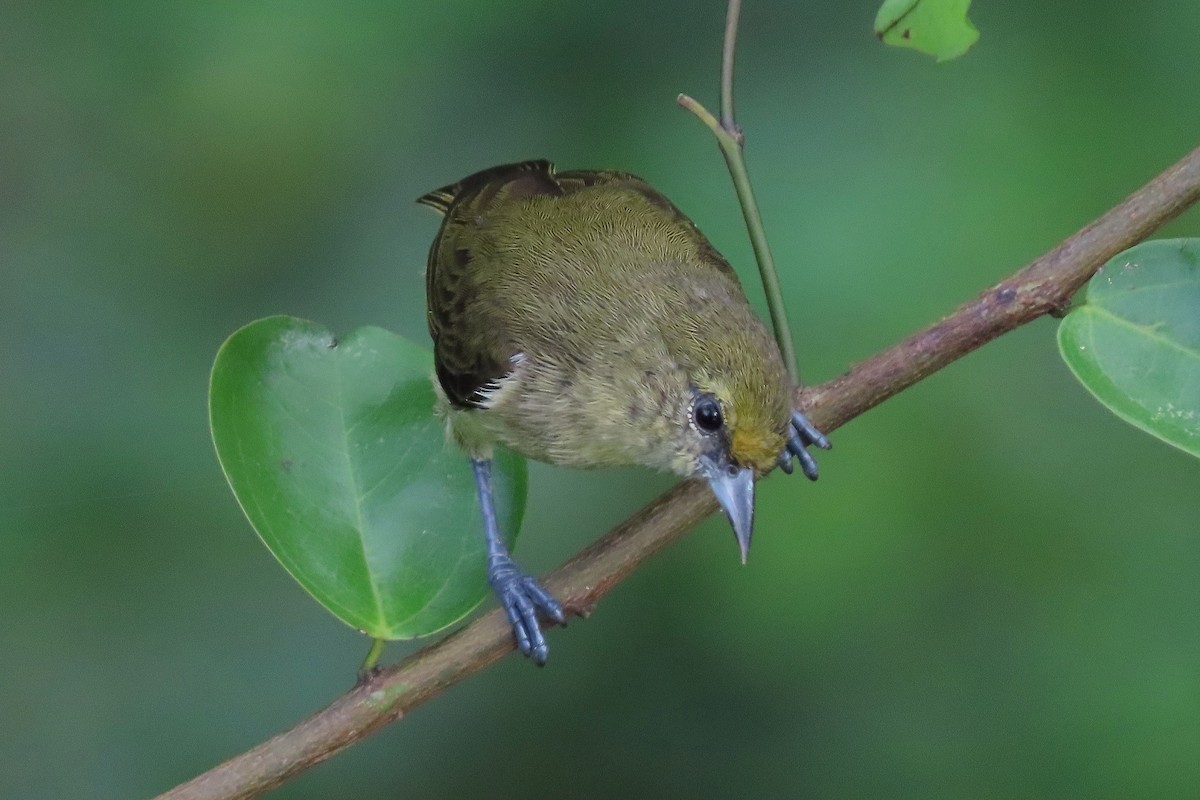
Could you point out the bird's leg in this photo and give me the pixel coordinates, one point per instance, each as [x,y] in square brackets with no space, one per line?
[520,594]
[802,433]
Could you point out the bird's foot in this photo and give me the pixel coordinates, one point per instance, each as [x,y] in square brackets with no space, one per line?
[802,433]
[522,597]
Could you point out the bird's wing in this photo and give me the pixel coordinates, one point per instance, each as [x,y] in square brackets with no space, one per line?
[472,354]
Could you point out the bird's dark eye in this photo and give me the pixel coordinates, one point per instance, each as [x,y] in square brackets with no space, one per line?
[707,414]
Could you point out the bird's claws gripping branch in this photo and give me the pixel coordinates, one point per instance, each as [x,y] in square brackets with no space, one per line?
[801,434]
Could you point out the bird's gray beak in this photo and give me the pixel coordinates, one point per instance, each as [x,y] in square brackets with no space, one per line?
[734,489]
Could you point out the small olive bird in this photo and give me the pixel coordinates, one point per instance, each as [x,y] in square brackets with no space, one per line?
[580,318]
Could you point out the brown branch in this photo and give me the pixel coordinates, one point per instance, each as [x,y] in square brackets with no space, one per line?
[1044,286]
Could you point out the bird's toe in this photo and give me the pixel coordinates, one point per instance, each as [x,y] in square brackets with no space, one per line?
[801,434]
[523,598]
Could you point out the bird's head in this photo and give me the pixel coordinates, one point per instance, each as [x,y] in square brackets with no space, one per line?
[733,425]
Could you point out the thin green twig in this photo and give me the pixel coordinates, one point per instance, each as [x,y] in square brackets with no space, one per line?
[730,139]
[372,660]
[728,122]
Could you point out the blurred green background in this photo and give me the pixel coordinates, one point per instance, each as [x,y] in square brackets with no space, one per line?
[994,590]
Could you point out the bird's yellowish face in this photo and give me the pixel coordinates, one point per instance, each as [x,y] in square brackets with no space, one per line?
[756,438]
[755,409]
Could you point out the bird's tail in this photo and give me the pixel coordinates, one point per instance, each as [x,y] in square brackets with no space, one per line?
[440,200]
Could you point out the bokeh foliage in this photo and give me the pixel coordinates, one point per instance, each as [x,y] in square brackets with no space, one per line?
[992,591]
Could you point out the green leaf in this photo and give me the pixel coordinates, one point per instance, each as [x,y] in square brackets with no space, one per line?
[1135,342]
[939,28]
[335,455]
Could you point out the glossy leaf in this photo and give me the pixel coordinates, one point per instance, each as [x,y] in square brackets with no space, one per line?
[1135,342]
[939,28]
[335,455]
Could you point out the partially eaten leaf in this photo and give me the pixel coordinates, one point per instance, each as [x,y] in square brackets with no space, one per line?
[939,28]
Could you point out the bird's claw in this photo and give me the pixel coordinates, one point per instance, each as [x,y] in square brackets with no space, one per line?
[522,597]
[801,434]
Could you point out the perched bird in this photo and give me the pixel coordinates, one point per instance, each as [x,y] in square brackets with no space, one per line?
[580,318]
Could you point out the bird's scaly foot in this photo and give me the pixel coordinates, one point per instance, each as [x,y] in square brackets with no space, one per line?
[802,433]
[522,597]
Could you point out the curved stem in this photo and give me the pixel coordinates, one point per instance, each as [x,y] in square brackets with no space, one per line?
[1043,287]
[372,660]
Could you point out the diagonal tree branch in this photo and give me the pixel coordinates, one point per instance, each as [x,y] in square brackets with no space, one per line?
[1044,286]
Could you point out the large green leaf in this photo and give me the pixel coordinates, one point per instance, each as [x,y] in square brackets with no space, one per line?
[333,450]
[1135,342]
[939,28]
